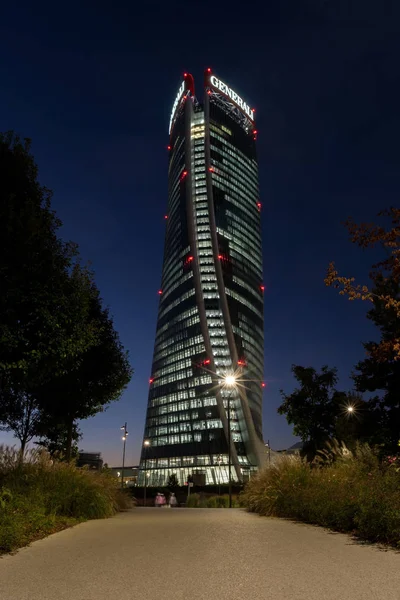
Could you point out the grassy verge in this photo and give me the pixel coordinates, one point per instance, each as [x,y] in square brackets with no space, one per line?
[355,493]
[41,497]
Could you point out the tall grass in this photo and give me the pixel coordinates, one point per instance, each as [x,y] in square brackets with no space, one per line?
[352,493]
[41,496]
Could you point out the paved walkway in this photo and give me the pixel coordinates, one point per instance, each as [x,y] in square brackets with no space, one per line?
[198,554]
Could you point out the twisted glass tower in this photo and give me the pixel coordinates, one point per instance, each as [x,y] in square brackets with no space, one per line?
[210,318]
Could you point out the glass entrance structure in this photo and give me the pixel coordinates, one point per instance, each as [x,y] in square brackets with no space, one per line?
[210,318]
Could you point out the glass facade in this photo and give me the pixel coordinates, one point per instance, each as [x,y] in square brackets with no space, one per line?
[210,319]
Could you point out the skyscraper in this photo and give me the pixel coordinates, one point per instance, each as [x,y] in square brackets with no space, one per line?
[210,318]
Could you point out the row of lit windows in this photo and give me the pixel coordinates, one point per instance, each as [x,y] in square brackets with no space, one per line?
[202,380]
[181,317]
[232,158]
[236,185]
[251,235]
[172,305]
[248,325]
[174,283]
[247,287]
[251,164]
[171,264]
[250,339]
[243,301]
[175,328]
[235,174]
[176,356]
[245,265]
[255,234]
[242,244]
[238,199]
[181,345]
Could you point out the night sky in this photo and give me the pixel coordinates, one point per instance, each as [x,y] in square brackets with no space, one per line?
[92,84]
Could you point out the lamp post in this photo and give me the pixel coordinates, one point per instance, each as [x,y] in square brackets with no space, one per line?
[124,429]
[230,382]
[146,444]
[219,474]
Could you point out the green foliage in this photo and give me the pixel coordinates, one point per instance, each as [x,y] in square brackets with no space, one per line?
[352,493]
[60,358]
[318,412]
[41,496]
[383,376]
[172,482]
[193,501]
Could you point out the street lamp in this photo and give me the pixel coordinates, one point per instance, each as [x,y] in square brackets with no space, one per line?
[350,409]
[124,429]
[229,381]
[146,444]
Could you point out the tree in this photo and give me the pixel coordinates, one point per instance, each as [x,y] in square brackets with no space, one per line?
[373,375]
[315,409]
[44,292]
[385,277]
[380,370]
[172,482]
[54,436]
[94,379]
[21,415]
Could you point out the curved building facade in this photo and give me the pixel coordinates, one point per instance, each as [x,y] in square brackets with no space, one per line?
[210,319]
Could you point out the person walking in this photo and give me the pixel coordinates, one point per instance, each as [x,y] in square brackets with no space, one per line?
[159,501]
[172,501]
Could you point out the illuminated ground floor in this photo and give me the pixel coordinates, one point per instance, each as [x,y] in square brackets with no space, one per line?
[206,470]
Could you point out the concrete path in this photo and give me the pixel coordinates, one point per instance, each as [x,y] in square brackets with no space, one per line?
[198,554]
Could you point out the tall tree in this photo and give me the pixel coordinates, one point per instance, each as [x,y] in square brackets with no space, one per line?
[44,293]
[93,380]
[316,409]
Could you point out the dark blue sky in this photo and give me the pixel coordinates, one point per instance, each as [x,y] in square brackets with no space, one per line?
[93,84]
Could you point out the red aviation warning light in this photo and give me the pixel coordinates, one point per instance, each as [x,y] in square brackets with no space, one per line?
[207,361]
[241,363]
[208,70]
[259,205]
[151,380]
[183,175]
[262,287]
[165,216]
[190,258]
[211,169]
[160,292]
[263,384]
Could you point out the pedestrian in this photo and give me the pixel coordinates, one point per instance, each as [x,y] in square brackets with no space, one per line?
[163,500]
[158,501]
[172,501]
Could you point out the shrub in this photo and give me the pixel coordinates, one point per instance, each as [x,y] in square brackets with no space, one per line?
[193,501]
[343,491]
[41,496]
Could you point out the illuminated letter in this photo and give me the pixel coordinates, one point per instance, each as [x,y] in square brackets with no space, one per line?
[214,81]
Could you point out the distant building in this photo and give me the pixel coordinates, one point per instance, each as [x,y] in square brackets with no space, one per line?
[130,474]
[92,460]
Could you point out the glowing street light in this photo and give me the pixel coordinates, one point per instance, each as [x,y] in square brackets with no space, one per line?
[350,409]
[230,380]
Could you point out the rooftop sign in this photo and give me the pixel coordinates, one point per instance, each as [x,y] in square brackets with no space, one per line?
[225,89]
[175,106]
